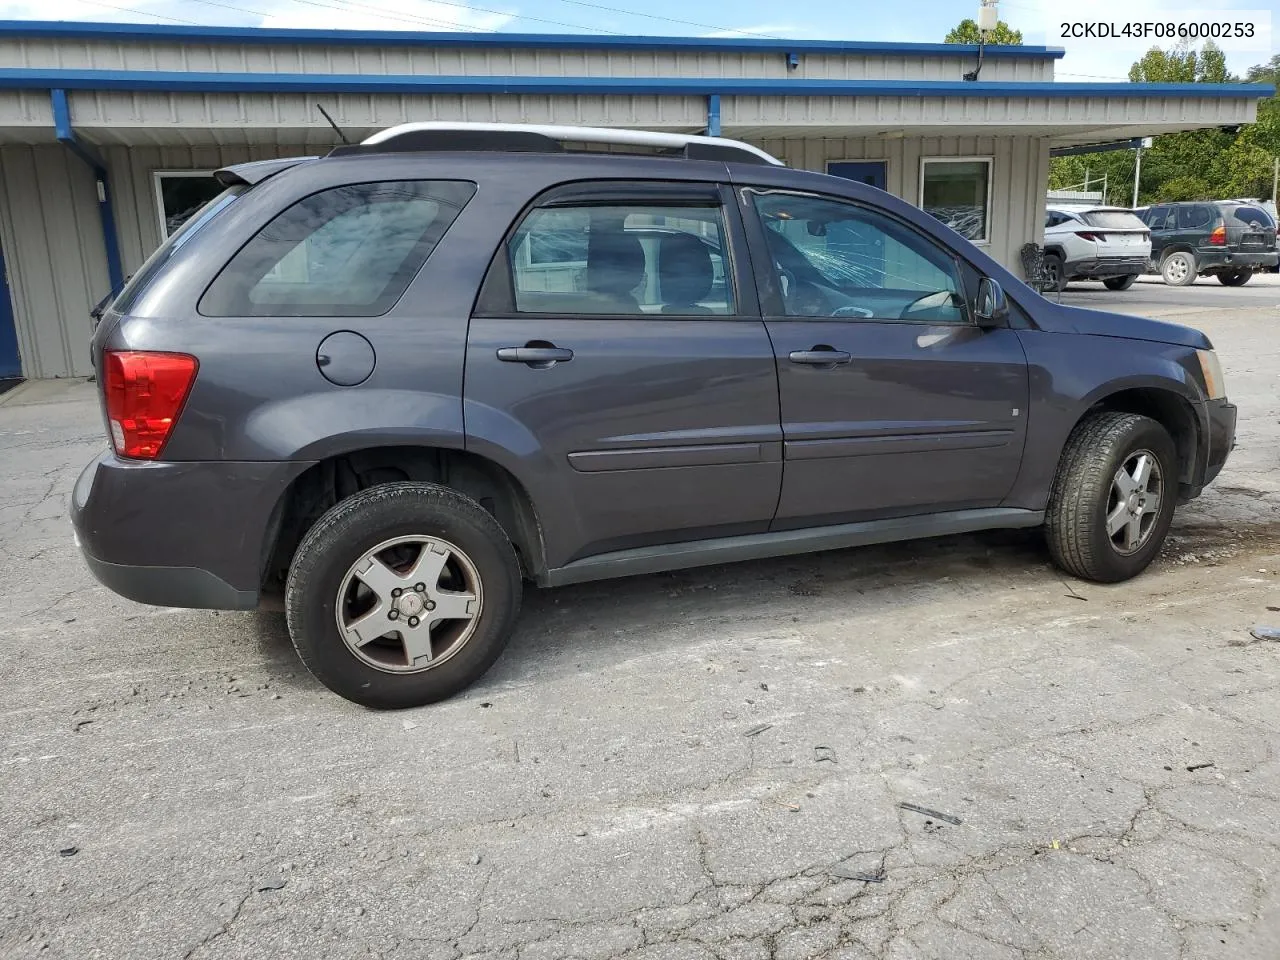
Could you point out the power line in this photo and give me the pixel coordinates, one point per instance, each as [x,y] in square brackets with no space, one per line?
[654,16]
[141,13]
[1092,76]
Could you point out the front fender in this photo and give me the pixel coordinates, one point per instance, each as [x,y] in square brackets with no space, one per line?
[1071,373]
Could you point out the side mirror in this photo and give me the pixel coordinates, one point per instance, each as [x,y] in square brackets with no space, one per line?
[992,308]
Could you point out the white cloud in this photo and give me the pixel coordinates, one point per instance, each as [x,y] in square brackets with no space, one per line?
[376,15]
[315,14]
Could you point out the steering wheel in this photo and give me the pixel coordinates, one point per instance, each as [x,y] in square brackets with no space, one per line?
[862,313]
[930,301]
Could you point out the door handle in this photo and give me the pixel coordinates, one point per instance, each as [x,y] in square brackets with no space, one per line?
[820,356]
[537,354]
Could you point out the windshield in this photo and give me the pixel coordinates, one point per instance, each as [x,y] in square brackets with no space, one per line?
[155,263]
[1114,220]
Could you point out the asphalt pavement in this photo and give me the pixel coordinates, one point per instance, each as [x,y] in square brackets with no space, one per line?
[704,765]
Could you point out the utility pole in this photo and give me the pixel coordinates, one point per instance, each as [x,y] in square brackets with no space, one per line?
[1137,175]
[1275,182]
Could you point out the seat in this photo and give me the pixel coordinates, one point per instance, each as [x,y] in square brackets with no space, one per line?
[686,274]
[615,267]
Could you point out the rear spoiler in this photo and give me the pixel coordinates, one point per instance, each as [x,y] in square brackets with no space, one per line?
[248,174]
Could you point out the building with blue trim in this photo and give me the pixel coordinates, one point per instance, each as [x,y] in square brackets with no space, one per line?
[109,132]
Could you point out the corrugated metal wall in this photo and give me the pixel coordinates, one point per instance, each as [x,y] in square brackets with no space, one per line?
[133,186]
[55,257]
[1020,175]
[111,54]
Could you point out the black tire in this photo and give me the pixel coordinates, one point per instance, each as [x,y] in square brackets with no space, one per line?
[1120,283]
[1056,272]
[1237,279]
[359,523]
[1075,524]
[1175,277]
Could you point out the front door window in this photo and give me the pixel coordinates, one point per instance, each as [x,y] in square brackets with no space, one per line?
[843,261]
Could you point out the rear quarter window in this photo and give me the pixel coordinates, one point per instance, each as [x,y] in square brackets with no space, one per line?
[346,252]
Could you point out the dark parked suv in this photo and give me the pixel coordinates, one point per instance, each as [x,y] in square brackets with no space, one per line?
[396,382]
[1230,241]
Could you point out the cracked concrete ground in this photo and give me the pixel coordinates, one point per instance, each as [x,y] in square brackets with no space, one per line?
[1109,751]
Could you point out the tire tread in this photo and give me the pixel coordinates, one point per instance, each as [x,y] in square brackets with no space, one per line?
[1082,474]
[347,517]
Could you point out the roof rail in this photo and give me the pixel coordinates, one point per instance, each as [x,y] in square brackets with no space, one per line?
[547,138]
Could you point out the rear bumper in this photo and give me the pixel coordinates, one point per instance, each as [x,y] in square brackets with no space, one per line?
[1107,267]
[179,534]
[1218,260]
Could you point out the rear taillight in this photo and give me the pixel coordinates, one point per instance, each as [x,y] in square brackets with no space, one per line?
[1219,236]
[1089,235]
[145,392]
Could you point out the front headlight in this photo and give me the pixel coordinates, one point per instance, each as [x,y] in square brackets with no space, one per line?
[1214,386]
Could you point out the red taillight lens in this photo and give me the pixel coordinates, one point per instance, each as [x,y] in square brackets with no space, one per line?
[1219,237]
[1088,235]
[145,393]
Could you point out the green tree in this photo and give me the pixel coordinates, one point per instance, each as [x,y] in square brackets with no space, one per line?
[1197,165]
[1268,72]
[1182,64]
[1002,35]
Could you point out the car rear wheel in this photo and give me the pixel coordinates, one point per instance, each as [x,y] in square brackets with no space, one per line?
[1120,283]
[1056,272]
[1237,279]
[1113,498]
[402,594]
[1179,269]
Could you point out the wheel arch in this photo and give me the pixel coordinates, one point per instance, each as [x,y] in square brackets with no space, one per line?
[1169,407]
[1177,248]
[340,475]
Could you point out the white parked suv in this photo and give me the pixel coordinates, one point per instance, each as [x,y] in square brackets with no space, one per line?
[1095,243]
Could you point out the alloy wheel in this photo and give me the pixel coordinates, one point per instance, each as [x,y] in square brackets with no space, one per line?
[1133,504]
[409,604]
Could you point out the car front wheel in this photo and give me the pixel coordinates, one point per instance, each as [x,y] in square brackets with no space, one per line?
[1179,269]
[402,594]
[1236,279]
[1120,283]
[1113,498]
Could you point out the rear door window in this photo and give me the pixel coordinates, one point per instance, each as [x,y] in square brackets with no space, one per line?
[1193,216]
[346,252]
[622,259]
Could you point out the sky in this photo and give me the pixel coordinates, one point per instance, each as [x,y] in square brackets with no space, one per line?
[900,20]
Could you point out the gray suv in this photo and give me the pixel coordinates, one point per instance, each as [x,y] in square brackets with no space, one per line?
[390,385]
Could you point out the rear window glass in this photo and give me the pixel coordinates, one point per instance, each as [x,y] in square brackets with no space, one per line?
[346,252]
[155,263]
[1114,220]
[1251,216]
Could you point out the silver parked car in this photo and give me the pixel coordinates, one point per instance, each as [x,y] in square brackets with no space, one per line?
[1110,244]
